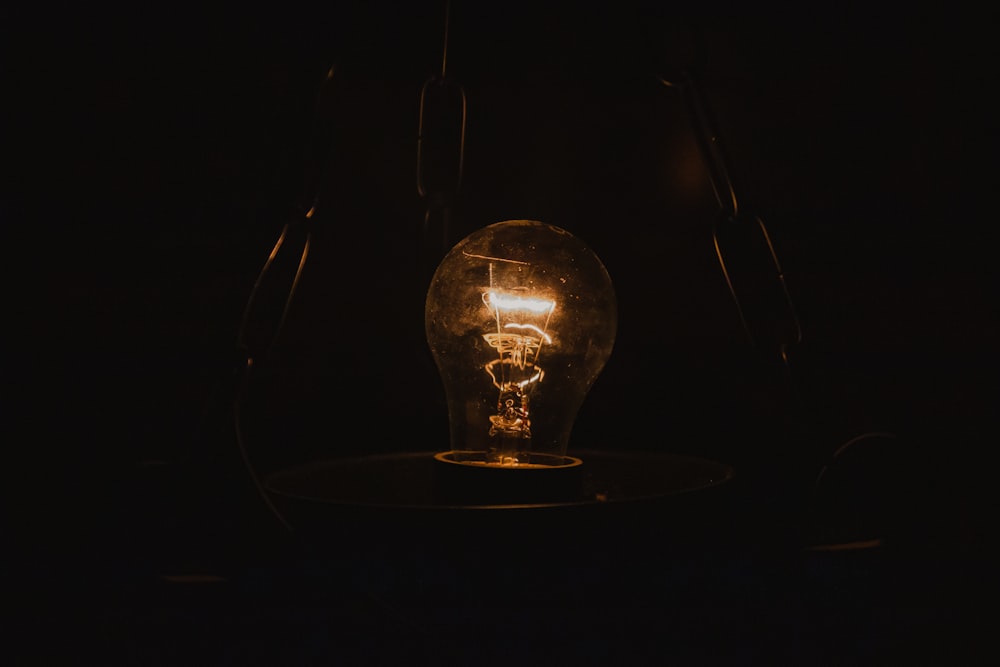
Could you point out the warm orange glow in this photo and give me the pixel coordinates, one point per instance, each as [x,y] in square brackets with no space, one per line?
[518,311]
[505,302]
[515,349]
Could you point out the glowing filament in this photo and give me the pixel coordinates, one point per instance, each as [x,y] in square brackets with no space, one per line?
[521,323]
[507,302]
[531,327]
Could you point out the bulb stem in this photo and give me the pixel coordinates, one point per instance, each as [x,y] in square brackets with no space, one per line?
[509,449]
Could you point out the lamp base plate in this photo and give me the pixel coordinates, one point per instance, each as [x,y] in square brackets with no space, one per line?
[465,478]
[646,505]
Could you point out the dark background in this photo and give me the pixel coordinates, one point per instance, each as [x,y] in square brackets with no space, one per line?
[155,153]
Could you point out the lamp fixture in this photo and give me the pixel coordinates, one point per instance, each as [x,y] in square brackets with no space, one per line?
[520,318]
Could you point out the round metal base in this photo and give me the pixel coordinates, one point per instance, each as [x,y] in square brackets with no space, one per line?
[397,500]
[406,481]
[465,478]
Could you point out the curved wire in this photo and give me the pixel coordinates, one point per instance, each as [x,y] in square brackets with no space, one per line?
[245,455]
[444,50]
[721,181]
[708,140]
[791,312]
[250,357]
[842,449]
[855,545]
[252,299]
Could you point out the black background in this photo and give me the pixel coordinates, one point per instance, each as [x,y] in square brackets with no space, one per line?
[154,152]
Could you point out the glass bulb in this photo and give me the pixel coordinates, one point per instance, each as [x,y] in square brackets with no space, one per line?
[520,317]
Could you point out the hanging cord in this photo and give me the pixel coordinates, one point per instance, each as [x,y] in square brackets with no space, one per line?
[440,156]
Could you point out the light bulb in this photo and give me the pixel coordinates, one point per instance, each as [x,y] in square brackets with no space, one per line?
[520,318]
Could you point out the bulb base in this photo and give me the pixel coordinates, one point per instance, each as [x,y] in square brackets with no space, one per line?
[465,478]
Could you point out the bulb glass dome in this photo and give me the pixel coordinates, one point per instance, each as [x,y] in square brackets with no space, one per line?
[521,318]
